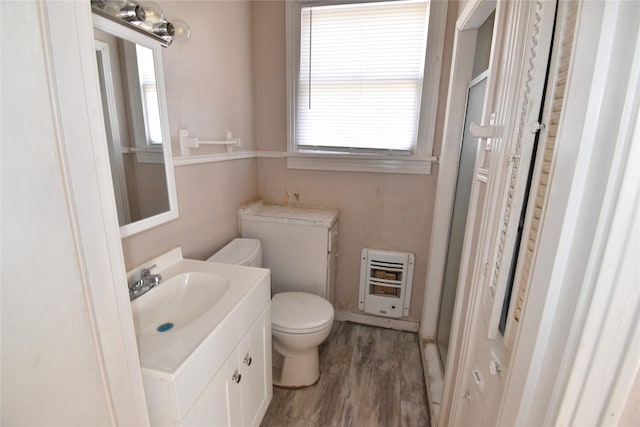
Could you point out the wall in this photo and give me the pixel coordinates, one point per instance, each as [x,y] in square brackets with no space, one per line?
[209,90]
[208,197]
[388,211]
[51,372]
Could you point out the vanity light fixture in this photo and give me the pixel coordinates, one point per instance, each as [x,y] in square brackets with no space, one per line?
[143,17]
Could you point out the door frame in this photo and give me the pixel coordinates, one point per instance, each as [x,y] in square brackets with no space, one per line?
[482,77]
[75,91]
[464,45]
[518,59]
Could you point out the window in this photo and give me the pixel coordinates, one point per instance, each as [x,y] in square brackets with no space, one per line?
[149,92]
[357,92]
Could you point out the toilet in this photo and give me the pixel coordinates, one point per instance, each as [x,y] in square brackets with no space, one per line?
[300,321]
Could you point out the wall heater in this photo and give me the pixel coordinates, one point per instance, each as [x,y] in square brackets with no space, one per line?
[385,282]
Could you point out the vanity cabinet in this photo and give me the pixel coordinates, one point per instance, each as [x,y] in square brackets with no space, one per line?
[240,392]
[211,369]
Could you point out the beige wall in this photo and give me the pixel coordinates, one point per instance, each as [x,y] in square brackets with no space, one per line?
[209,77]
[231,75]
[208,197]
[387,211]
[209,90]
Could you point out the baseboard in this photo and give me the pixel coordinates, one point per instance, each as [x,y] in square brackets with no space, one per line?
[383,322]
[433,377]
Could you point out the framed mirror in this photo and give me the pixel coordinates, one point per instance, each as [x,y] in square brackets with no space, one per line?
[137,126]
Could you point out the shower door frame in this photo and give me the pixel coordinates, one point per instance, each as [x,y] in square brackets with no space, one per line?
[464,47]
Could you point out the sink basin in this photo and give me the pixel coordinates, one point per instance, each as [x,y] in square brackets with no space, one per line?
[185,320]
[177,302]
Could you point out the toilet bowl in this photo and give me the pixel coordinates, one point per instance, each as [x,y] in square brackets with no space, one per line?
[300,321]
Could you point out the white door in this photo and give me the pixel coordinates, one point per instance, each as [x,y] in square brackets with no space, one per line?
[468,150]
[499,198]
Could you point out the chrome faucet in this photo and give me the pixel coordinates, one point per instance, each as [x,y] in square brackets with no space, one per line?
[145,283]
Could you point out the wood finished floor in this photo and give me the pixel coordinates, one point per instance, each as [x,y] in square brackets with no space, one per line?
[369,377]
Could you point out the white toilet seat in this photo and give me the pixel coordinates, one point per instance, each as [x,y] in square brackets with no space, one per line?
[300,313]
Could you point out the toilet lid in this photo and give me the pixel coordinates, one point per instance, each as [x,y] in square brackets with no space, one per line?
[300,312]
[239,251]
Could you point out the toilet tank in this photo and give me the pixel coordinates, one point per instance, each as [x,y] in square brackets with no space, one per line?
[240,252]
[299,245]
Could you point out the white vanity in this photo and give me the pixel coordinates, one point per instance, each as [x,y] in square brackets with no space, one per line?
[211,364]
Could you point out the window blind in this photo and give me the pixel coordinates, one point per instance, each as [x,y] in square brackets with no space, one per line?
[360,76]
[148,87]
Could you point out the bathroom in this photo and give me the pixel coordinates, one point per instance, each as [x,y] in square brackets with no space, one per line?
[245,93]
[229,76]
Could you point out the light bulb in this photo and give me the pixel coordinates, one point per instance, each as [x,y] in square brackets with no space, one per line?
[112,7]
[124,10]
[164,30]
[182,30]
[153,12]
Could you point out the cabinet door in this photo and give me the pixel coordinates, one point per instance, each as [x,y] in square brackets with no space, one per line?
[241,391]
[234,382]
[215,407]
[255,361]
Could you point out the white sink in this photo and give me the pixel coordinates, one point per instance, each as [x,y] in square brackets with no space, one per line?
[193,313]
[177,302]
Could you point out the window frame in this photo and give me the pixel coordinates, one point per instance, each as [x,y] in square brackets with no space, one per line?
[143,88]
[417,162]
[145,151]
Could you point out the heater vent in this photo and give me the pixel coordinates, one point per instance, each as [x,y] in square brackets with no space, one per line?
[385,282]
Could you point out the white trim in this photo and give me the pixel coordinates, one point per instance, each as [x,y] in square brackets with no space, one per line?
[148,155]
[360,163]
[474,15]
[433,378]
[270,154]
[225,157]
[417,163]
[383,322]
[338,162]
[75,89]
[212,158]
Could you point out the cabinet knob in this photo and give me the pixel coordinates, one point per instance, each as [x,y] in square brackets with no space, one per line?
[236,377]
[247,360]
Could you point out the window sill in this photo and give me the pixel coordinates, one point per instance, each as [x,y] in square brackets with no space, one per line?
[361,163]
[145,155]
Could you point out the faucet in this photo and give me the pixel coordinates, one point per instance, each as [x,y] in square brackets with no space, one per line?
[145,283]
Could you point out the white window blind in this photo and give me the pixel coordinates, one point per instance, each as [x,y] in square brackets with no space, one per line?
[360,76]
[149,91]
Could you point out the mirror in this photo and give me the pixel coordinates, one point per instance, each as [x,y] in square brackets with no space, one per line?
[137,126]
